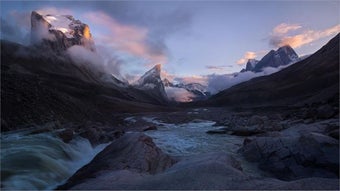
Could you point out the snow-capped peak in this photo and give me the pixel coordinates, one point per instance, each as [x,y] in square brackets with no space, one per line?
[154,75]
[65,30]
[253,62]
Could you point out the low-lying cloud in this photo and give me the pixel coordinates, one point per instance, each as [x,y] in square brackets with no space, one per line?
[217,83]
[179,94]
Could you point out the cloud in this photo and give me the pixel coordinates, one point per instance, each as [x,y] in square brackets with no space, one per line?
[85,57]
[217,83]
[126,38]
[248,55]
[54,11]
[192,79]
[15,27]
[179,94]
[284,28]
[282,38]
[211,67]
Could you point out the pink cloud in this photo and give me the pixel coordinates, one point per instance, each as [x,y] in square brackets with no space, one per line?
[193,79]
[126,38]
[302,38]
[248,55]
[284,28]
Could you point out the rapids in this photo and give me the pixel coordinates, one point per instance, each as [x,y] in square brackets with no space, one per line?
[41,161]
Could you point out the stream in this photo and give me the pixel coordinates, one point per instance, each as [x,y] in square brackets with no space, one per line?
[41,161]
[183,140]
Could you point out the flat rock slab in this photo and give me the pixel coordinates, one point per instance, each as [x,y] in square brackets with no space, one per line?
[210,171]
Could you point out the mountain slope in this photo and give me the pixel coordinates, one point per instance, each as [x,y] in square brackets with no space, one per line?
[314,79]
[43,86]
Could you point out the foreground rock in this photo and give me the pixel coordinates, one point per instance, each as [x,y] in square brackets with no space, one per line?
[134,162]
[134,152]
[204,172]
[248,125]
[291,155]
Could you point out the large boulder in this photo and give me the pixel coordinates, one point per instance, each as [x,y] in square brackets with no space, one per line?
[208,171]
[294,157]
[134,152]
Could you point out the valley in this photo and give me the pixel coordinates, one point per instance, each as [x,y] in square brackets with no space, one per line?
[69,122]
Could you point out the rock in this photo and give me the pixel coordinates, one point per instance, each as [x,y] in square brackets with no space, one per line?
[239,131]
[134,152]
[209,171]
[292,157]
[325,112]
[256,120]
[334,134]
[118,133]
[92,135]
[66,135]
[150,128]
[246,131]
[218,131]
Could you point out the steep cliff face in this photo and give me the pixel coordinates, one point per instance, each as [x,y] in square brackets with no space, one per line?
[60,32]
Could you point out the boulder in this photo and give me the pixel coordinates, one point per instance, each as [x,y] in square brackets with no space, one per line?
[325,112]
[150,128]
[66,135]
[92,135]
[218,131]
[293,157]
[334,133]
[208,171]
[257,120]
[134,152]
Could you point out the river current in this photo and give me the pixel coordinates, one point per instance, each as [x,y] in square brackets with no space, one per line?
[41,161]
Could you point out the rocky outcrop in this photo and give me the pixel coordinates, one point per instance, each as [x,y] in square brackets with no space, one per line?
[134,152]
[209,171]
[290,157]
[60,32]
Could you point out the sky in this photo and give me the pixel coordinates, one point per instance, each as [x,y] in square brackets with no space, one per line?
[193,40]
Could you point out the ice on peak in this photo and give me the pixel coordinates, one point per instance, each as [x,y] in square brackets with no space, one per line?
[66,29]
[154,74]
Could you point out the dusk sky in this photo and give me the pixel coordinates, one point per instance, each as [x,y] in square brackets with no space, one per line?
[190,39]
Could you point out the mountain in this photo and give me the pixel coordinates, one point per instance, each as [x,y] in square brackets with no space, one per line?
[314,79]
[151,83]
[198,90]
[251,64]
[282,56]
[60,32]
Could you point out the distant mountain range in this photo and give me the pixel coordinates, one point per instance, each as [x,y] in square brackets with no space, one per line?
[314,79]
[283,56]
[198,90]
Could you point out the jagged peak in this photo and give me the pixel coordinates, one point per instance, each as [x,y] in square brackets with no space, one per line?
[62,31]
[153,74]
